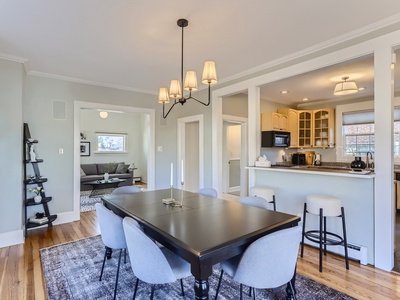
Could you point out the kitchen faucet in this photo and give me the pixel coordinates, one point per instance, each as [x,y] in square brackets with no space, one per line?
[369,155]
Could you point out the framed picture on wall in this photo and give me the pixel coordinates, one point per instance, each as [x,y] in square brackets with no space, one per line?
[85,149]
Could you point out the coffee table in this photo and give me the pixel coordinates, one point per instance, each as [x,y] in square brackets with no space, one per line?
[103,184]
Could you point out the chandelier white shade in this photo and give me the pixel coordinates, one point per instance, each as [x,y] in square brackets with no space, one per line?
[190,84]
[345,87]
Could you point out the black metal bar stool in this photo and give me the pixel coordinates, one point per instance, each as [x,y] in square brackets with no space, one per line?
[324,206]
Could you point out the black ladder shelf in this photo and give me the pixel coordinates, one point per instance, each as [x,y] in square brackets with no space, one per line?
[35,181]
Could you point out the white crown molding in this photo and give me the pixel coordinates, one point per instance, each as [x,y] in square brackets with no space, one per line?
[83,81]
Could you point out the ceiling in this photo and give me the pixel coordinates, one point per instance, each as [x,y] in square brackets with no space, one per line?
[135,45]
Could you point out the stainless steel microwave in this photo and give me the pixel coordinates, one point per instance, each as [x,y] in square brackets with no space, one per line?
[275,139]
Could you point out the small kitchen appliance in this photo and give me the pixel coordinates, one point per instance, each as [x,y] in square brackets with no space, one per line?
[317,160]
[298,159]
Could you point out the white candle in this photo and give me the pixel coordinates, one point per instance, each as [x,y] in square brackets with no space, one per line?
[172,174]
[182,172]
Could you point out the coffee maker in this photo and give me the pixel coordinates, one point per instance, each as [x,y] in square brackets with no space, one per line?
[317,160]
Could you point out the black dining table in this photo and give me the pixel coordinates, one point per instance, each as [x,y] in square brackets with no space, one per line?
[204,230]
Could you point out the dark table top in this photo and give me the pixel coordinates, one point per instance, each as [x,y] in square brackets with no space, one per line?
[204,227]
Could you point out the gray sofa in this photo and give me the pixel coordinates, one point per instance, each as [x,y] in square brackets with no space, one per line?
[90,172]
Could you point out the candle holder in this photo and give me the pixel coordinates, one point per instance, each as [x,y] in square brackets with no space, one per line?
[169,200]
[179,203]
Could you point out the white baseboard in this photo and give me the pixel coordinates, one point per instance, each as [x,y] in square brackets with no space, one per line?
[12,238]
[234,189]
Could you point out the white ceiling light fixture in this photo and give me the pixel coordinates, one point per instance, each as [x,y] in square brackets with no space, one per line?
[103,114]
[345,87]
[190,84]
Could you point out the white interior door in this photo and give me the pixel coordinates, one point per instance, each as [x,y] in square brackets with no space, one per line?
[190,152]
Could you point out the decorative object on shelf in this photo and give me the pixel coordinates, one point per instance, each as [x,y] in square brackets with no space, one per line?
[209,77]
[345,87]
[85,149]
[38,191]
[32,153]
[357,164]
[37,199]
[83,136]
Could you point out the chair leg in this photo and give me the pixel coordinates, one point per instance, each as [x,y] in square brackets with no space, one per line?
[320,239]
[116,279]
[152,292]
[125,256]
[183,291]
[293,291]
[254,294]
[241,290]
[304,229]
[136,286]
[345,240]
[219,283]
[104,261]
[324,230]
[250,288]
[273,201]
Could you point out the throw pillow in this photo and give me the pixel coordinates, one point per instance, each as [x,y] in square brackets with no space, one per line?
[82,173]
[122,168]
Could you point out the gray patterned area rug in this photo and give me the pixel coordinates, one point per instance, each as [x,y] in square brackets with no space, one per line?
[87,203]
[72,271]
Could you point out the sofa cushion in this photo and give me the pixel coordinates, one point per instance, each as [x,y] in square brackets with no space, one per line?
[91,178]
[82,173]
[122,168]
[109,167]
[89,169]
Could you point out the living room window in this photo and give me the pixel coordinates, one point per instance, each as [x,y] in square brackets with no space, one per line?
[111,142]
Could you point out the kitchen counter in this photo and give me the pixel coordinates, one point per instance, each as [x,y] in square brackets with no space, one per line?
[320,170]
[356,192]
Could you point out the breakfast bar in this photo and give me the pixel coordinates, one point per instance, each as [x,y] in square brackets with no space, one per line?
[356,191]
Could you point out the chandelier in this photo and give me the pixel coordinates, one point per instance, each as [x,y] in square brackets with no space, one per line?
[190,84]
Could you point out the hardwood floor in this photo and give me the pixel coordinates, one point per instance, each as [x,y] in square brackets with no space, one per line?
[21,272]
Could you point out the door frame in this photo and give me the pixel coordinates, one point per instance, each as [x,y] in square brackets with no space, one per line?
[78,105]
[243,154]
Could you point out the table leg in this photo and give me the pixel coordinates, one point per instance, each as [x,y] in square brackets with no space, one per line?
[201,288]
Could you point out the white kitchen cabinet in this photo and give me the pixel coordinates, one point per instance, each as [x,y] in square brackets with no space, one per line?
[274,121]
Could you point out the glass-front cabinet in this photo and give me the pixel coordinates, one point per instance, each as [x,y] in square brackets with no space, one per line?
[323,128]
[305,128]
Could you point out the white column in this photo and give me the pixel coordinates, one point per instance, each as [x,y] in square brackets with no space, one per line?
[384,197]
[254,133]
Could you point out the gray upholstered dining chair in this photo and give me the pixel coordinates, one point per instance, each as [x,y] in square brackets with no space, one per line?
[150,263]
[112,234]
[128,189]
[269,262]
[255,201]
[208,192]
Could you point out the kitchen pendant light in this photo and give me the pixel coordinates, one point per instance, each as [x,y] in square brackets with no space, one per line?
[345,87]
[190,84]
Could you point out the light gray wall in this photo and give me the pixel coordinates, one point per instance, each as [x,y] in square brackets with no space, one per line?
[54,134]
[11,124]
